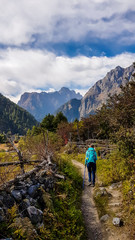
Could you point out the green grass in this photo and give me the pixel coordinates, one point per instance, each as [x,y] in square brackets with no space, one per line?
[101,203]
[67,204]
[113,169]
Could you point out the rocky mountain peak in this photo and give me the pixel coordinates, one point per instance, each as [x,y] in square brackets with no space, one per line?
[98,93]
[40,104]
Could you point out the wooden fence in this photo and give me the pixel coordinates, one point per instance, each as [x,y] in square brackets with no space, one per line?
[102,146]
[10,170]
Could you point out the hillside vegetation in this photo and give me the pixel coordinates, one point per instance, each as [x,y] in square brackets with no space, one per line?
[14,118]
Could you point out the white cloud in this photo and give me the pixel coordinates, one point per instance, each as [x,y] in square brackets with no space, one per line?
[35,70]
[59,20]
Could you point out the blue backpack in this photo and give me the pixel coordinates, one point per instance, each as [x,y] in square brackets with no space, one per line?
[92,156]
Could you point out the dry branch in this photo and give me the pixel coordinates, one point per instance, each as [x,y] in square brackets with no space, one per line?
[18,163]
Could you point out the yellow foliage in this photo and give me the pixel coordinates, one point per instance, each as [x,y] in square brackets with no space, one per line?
[23,229]
[12,212]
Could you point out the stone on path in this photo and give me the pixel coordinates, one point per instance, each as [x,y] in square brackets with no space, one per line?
[117,222]
[104,218]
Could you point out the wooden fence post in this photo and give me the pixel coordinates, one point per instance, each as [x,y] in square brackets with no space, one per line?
[19,154]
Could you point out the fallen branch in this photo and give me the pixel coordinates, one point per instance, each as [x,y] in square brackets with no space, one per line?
[18,163]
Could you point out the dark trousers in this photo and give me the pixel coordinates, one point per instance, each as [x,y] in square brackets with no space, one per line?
[91,170]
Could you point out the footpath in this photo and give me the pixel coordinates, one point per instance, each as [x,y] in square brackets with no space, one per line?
[92,223]
[94,228]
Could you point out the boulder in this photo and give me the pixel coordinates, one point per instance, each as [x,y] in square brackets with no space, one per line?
[35,215]
[32,190]
[17,195]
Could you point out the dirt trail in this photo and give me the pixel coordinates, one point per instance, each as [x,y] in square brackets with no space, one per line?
[92,223]
[94,229]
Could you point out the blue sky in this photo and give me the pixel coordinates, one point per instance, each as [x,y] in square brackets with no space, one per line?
[48,44]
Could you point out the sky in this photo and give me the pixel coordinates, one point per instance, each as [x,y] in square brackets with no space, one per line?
[49,44]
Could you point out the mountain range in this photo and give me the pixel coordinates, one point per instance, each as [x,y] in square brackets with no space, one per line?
[40,104]
[17,120]
[13,118]
[98,94]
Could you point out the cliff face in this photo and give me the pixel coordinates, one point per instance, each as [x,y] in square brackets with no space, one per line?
[71,109]
[98,94]
[40,104]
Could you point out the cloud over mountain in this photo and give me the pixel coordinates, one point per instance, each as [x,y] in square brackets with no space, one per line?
[34,70]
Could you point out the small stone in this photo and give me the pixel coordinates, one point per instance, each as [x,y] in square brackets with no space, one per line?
[102,192]
[35,215]
[23,192]
[40,225]
[32,191]
[104,218]
[33,202]
[17,195]
[117,222]
[116,185]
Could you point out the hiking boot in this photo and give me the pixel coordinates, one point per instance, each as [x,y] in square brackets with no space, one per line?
[89,184]
[93,184]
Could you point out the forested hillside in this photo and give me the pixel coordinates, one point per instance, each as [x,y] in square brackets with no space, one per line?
[14,118]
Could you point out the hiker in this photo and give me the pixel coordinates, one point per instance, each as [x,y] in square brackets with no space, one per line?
[90,162]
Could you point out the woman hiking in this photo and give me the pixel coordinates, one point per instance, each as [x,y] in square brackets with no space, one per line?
[90,162]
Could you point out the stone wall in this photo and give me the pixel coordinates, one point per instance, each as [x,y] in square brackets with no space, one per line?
[27,191]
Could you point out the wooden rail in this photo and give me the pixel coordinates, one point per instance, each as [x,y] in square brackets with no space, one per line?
[18,163]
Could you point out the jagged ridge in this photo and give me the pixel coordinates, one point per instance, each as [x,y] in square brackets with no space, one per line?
[98,94]
[40,104]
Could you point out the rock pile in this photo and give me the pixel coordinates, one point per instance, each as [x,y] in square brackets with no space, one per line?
[27,191]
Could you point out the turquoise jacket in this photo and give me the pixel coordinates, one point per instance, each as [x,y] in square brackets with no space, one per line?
[91,156]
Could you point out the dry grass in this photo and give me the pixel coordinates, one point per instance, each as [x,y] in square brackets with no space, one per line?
[10,172]
[3,146]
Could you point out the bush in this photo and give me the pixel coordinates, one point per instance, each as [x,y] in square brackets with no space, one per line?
[114,169]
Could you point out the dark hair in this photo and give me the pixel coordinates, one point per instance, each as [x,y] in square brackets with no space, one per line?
[92,145]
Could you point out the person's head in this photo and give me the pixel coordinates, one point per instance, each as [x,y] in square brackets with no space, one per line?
[91,145]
